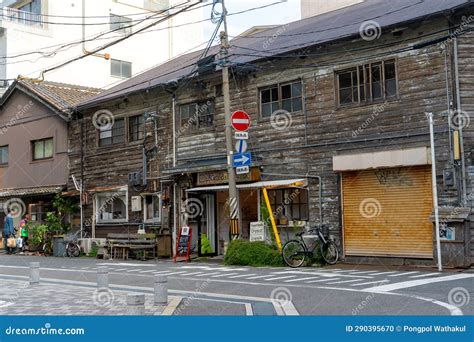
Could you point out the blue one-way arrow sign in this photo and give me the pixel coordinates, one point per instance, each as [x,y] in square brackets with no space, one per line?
[242,159]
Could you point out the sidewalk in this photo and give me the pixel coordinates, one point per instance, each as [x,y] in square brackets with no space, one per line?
[21,298]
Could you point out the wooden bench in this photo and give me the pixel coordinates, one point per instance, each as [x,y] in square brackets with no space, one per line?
[121,244]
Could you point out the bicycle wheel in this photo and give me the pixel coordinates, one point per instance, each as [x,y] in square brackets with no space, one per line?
[329,252]
[294,253]
[72,250]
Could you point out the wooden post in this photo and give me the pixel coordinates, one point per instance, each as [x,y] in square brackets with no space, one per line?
[272,219]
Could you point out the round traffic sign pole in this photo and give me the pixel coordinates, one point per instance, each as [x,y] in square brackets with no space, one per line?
[240,121]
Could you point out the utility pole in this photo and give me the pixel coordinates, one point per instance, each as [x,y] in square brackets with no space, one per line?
[233,194]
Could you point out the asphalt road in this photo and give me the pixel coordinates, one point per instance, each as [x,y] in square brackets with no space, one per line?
[215,289]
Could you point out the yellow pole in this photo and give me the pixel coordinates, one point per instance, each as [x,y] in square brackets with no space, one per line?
[272,219]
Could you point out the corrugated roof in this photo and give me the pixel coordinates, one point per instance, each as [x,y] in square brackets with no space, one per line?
[34,191]
[316,30]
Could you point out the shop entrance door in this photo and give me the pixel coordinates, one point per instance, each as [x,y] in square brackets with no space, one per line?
[207,232]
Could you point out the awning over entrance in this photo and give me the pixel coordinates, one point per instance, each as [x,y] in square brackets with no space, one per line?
[289,183]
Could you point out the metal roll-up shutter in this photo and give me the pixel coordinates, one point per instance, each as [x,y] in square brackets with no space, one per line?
[386,212]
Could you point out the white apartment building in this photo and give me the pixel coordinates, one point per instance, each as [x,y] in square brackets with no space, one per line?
[311,8]
[48,27]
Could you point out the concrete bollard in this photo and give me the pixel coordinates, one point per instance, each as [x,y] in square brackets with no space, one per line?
[34,273]
[161,290]
[135,304]
[102,277]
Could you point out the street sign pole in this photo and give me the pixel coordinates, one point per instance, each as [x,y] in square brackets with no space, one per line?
[233,194]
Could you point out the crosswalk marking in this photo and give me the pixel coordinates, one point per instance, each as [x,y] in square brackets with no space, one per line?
[194,273]
[258,277]
[425,275]
[278,278]
[372,282]
[174,273]
[147,271]
[207,274]
[162,272]
[119,269]
[381,273]
[243,275]
[362,272]
[344,281]
[320,280]
[402,274]
[300,279]
[223,275]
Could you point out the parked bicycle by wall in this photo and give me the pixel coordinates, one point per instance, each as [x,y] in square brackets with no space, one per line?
[296,252]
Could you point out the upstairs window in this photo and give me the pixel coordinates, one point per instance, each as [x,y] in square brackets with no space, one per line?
[368,83]
[120,68]
[42,149]
[136,128]
[286,96]
[4,155]
[152,208]
[112,134]
[197,115]
[120,24]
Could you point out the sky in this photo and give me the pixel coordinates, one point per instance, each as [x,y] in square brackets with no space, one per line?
[281,12]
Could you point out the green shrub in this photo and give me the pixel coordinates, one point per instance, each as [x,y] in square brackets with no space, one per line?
[205,245]
[245,253]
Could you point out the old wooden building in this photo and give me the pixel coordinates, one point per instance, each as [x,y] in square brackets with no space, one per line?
[339,135]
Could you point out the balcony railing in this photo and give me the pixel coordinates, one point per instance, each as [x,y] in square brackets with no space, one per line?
[22,17]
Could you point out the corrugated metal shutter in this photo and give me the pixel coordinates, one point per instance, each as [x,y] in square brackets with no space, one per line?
[386,212]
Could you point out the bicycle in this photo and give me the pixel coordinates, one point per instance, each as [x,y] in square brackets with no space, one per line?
[47,247]
[295,252]
[72,246]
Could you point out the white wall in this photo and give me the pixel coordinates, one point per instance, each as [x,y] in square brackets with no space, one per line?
[143,50]
[310,8]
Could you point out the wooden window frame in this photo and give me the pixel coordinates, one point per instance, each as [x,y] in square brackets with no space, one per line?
[130,126]
[8,155]
[33,142]
[98,131]
[367,84]
[197,127]
[279,87]
[300,204]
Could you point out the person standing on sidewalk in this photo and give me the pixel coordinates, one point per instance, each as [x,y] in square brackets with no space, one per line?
[8,231]
[24,231]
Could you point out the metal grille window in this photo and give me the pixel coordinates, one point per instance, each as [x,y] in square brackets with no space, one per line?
[289,203]
[197,115]
[4,155]
[136,128]
[367,83]
[120,24]
[286,96]
[112,134]
[42,149]
[120,68]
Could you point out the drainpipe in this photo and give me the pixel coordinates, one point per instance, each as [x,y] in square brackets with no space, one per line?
[81,192]
[448,102]
[174,130]
[459,111]
[435,191]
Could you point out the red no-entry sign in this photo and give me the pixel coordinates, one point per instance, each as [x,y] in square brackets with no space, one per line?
[240,121]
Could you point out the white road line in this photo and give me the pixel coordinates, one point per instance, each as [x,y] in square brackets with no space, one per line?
[258,277]
[363,272]
[425,275]
[324,274]
[402,274]
[413,283]
[380,273]
[162,272]
[372,282]
[147,271]
[340,271]
[248,309]
[118,269]
[300,279]
[175,273]
[344,281]
[278,278]
[207,274]
[223,275]
[242,275]
[194,273]
[320,280]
